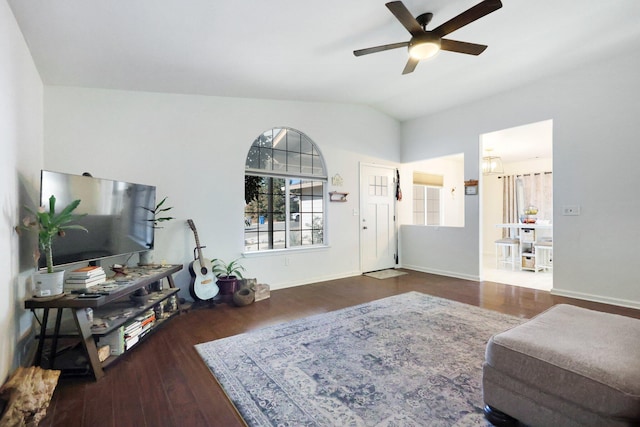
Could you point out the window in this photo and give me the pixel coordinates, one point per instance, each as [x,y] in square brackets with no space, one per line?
[427,198]
[427,205]
[285,180]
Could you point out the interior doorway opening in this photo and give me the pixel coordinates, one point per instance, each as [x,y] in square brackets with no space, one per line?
[521,155]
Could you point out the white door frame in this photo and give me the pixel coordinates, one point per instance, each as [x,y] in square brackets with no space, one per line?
[363,210]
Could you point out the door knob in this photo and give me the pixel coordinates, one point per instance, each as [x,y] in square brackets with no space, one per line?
[364,228]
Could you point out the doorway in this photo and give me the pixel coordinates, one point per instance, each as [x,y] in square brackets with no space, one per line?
[524,152]
[378,239]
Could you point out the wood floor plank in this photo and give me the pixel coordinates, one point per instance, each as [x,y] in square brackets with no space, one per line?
[175,388]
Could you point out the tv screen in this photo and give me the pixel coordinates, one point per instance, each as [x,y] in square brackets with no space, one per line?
[116,217]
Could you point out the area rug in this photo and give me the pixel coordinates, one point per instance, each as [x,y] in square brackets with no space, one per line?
[385,274]
[406,360]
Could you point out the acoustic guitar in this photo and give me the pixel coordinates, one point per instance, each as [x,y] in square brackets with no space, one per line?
[203,283]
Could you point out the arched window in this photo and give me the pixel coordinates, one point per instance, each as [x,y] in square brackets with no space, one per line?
[284,191]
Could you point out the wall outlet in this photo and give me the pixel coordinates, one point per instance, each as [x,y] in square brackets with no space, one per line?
[571,210]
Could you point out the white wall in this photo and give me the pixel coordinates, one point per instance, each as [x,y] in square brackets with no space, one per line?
[193,148]
[595,113]
[20,162]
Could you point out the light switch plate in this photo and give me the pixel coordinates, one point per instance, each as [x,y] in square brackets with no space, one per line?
[571,210]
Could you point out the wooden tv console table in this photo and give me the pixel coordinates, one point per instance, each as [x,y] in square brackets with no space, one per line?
[107,300]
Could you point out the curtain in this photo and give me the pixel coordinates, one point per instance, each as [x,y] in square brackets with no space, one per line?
[538,192]
[509,205]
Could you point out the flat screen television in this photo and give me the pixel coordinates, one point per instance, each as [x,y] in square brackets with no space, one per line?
[116,217]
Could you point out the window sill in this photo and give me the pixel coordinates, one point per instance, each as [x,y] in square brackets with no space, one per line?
[274,252]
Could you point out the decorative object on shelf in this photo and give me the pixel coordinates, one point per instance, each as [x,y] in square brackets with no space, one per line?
[227,275]
[337,196]
[140,297]
[119,269]
[146,257]
[530,215]
[336,180]
[49,224]
[471,187]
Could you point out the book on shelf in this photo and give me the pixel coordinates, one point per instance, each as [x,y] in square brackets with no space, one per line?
[101,278]
[130,342]
[71,283]
[86,272]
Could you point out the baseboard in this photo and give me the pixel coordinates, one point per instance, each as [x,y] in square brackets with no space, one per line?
[596,298]
[315,280]
[442,272]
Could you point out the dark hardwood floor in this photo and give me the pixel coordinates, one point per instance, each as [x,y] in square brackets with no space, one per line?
[163,381]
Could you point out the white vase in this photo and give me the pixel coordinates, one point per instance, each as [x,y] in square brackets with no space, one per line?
[47,284]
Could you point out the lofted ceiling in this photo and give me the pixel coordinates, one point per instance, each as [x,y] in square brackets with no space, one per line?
[302,50]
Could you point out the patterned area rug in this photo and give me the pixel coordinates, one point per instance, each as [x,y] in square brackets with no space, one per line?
[406,360]
[385,274]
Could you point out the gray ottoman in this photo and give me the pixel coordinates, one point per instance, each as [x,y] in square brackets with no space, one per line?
[568,366]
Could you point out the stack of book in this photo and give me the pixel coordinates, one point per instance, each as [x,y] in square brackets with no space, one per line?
[85,277]
[147,320]
[132,333]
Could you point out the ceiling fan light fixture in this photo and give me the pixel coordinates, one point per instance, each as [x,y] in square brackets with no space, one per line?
[424,47]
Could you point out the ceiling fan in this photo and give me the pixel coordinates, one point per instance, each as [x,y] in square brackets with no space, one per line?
[424,44]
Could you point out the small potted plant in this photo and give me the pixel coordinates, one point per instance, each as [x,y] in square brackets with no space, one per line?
[227,275]
[49,224]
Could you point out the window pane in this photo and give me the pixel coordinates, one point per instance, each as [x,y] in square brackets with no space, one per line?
[250,240]
[295,238]
[266,155]
[293,162]
[279,160]
[306,163]
[279,240]
[306,146]
[293,142]
[279,140]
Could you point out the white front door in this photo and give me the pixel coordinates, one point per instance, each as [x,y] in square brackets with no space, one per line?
[377,217]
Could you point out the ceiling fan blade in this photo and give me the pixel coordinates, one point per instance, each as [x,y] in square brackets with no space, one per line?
[375,49]
[462,47]
[405,17]
[467,17]
[411,65]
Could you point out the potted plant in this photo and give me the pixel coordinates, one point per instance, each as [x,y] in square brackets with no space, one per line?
[146,257]
[156,211]
[49,224]
[227,275]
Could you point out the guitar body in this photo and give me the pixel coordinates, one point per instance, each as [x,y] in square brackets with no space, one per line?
[203,285]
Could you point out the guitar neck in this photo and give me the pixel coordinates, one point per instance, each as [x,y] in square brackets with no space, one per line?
[195,233]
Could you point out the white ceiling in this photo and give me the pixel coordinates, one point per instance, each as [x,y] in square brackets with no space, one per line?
[302,50]
[521,143]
